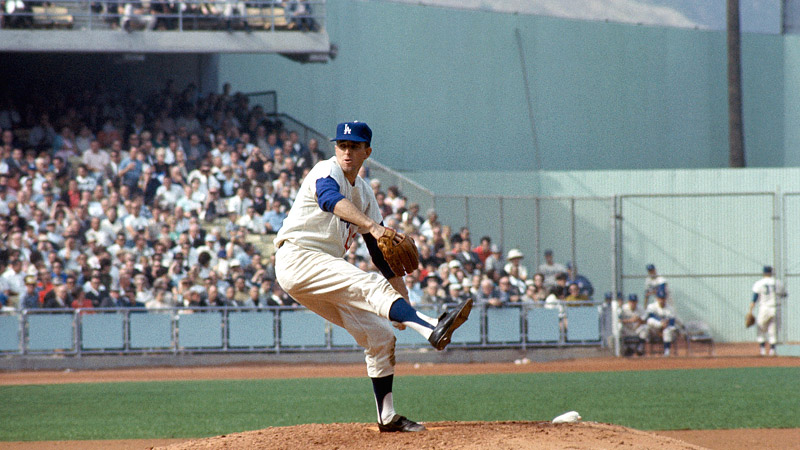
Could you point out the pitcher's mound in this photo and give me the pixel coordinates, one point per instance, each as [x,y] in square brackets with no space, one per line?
[443,435]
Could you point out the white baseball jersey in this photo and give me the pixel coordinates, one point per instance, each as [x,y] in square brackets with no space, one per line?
[652,283]
[308,226]
[625,313]
[768,290]
[309,265]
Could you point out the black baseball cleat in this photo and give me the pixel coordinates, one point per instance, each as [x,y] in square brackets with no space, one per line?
[448,322]
[400,424]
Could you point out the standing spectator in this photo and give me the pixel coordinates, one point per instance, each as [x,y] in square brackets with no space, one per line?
[766,292]
[550,269]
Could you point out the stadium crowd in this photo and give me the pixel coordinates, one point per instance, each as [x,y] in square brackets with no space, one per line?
[112,200]
[173,15]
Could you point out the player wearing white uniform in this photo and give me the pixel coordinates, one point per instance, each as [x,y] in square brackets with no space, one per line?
[332,206]
[652,283]
[661,320]
[766,292]
[632,326]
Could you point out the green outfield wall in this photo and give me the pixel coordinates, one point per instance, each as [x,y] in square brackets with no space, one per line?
[444,89]
[709,231]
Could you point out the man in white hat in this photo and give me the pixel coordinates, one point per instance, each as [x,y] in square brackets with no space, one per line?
[515,259]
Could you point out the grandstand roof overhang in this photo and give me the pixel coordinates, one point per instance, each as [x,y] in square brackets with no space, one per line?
[314,45]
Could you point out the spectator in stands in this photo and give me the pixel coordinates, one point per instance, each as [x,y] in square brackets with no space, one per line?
[426,229]
[251,221]
[465,253]
[574,294]
[529,295]
[94,289]
[540,292]
[488,294]
[298,14]
[274,217]
[432,295]
[137,15]
[60,298]
[507,292]
[42,135]
[550,269]
[240,202]
[131,168]
[30,298]
[515,258]
[516,280]
[484,249]
[584,285]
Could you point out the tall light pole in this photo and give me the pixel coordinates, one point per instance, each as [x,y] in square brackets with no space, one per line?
[735,123]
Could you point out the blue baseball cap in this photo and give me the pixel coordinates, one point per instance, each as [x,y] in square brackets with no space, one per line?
[633,298]
[650,267]
[353,131]
[767,269]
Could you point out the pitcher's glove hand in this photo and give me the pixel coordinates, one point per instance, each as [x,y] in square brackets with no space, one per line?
[749,320]
[399,251]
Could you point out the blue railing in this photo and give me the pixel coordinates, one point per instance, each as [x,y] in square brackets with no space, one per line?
[276,330]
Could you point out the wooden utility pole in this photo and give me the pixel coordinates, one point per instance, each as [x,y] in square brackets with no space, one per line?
[735,122]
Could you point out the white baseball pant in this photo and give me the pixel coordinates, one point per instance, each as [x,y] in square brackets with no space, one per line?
[345,295]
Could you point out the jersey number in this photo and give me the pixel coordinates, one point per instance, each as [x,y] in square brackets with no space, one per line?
[351,236]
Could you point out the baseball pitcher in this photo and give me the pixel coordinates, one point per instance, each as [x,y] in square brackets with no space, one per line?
[332,207]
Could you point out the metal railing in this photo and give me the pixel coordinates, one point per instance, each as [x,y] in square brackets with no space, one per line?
[166,15]
[277,330]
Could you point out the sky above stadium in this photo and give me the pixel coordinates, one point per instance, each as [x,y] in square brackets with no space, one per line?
[758,16]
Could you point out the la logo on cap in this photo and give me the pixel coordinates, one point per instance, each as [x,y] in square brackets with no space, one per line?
[353,131]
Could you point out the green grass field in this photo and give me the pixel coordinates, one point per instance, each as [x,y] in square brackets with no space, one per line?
[647,400]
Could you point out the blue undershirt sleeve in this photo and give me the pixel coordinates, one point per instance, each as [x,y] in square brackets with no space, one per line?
[755,297]
[377,256]
[328,194]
